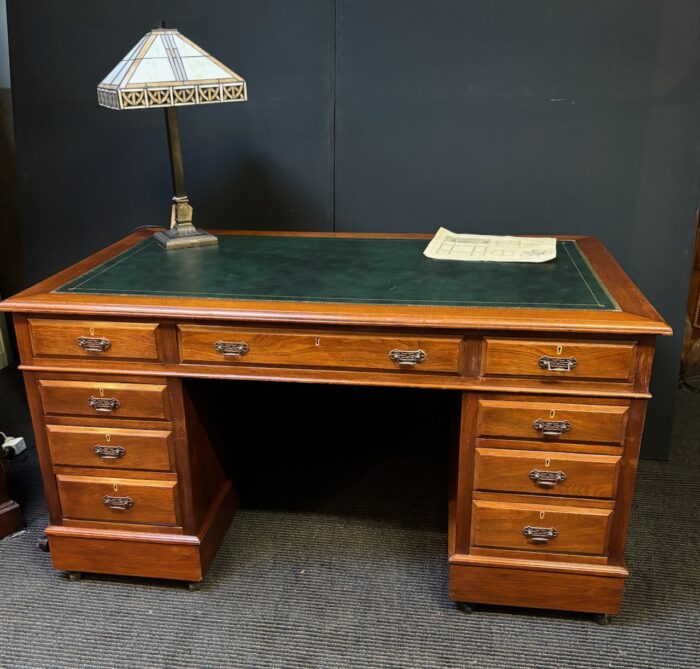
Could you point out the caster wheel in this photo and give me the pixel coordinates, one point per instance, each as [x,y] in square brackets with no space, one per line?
[194,586]
[74,575]
[603,618]
[465,608]
[43,544]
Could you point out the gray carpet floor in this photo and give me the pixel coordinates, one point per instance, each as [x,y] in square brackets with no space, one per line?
[355,579]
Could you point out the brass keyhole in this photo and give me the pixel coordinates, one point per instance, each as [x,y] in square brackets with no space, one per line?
[116,488]
[108,437]
[92,331]
[552,413]
[317,341]
[541,515]
[102,392]
[547,462]
[560,348]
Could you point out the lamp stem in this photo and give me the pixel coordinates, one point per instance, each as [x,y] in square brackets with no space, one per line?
[176,166]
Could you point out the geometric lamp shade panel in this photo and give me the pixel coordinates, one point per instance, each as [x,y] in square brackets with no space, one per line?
[165,69]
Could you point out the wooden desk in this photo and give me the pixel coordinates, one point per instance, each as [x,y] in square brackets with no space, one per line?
[553,362]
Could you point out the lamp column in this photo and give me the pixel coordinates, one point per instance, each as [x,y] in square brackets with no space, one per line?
[182,234]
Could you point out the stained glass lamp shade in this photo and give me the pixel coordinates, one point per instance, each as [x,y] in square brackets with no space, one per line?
[165,69]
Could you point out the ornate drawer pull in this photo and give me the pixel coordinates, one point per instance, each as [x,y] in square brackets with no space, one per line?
[118,503]
[407,358]
[546,479]
[94,344]
[104,404]
[551,428]
[109,452]
[557,364]
[540,535]
[232,348]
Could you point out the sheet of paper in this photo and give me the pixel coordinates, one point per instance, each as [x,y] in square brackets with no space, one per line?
[448,245]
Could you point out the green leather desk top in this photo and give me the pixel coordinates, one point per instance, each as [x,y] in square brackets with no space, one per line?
[345,270]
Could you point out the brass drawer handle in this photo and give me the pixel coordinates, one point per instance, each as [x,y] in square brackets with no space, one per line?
[232,348]
[551,428]
[546,479]
[407,358]
[94,344]
[557,364]
[118,503]
[540,535]
[104,404]
[109,452]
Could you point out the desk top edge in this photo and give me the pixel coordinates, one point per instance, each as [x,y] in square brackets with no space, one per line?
[637,315]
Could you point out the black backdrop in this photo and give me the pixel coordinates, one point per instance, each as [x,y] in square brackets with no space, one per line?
[548,116]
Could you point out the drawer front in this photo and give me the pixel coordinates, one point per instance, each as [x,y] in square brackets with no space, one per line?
[109,447]
[565,529]
[237,346]
[552,420]
[93,339]
[603,361]
[117,500]
[109,400]
[574,474]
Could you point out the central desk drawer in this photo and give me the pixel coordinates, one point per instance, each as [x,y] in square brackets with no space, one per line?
[94,339]
[565,529]
[108,400]
[579,475]
[361,351]
[109,447]
[552,420]
[117,500]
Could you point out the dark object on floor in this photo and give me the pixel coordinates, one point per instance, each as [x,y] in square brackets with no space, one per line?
[11,519]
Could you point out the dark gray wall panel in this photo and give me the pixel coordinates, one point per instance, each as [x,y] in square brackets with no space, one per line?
[88,175]
[570,117]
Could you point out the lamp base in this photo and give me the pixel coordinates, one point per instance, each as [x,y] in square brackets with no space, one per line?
[184,236]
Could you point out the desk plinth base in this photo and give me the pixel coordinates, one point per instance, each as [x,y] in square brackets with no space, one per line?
[167,556]
[537,588]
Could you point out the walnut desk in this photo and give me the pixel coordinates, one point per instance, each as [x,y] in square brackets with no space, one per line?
[552,362]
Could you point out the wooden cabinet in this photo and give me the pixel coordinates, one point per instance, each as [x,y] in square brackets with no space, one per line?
[552,399]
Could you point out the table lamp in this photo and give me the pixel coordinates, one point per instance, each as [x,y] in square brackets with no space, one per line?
[165,69]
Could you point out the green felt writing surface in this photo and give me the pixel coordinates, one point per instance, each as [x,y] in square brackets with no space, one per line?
[345,270]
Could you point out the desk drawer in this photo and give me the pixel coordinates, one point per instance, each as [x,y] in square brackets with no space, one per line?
[109,447]
[575,360]
[93,339]
[502,470]
[257,347]
[109,400]
[552,420]
[117,500]
[559,529]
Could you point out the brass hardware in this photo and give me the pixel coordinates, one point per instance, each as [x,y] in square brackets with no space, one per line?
[557,364]
[109,452]
[552,413]
[104,404]
[551,428]
[546,479]
[94,344]
[232,348]
[540,535]
[547,462]
[560,348]
[118,503]
[407,358]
